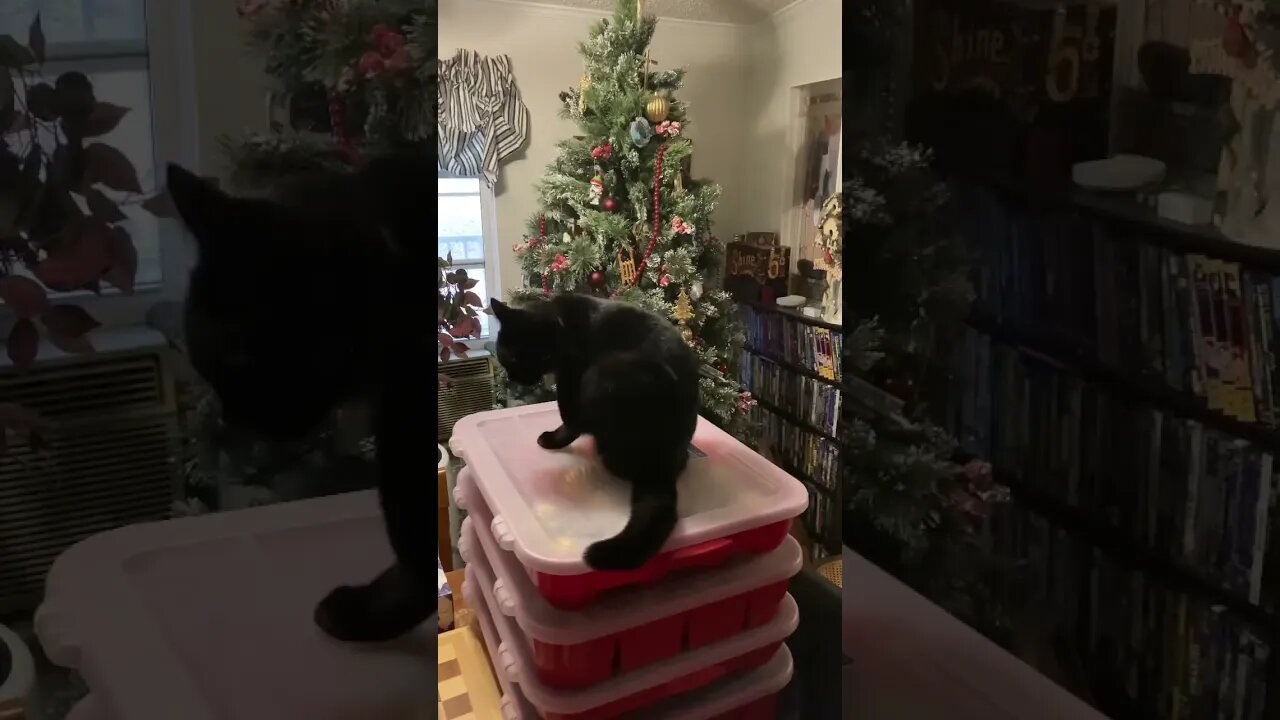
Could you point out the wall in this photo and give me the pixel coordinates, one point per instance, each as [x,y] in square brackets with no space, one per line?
[542,43]
[798,46]
[231,85]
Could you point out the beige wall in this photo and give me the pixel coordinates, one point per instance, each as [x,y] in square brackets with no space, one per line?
[231,85]
[798,46]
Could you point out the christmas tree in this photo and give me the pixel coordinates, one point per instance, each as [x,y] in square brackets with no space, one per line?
[915,505]
[619,216]
[353,78]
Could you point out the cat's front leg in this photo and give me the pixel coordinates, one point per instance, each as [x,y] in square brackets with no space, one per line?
[559,438]
[567,398]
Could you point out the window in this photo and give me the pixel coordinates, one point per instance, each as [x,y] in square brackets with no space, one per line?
[464,229]
[131,52]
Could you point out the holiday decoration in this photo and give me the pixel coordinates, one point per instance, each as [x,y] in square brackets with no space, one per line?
[1249,169]
[368,58]
[583,86]
[828,241]
[596,191]
[682,314]
[641,132]
[656,109]
[900,478]
[653,262]
[680,226]
[626,266]
[695,290]
[559,263]
[669,128]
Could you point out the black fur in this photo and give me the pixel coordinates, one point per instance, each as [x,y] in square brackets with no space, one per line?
[626,377]
[312,298]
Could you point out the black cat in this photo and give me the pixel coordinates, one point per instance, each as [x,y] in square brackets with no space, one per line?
[314,297]
[625,377]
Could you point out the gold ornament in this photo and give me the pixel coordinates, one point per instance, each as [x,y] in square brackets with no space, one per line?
[626,266]
[682,314]
[583,87]
[657,108]
[639,10]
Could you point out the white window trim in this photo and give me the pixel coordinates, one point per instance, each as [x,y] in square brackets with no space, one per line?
[170,60]
[489,235]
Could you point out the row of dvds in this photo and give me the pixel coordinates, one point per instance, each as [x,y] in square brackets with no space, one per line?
[1138,647]
[810,400]
[795,341]
[1193,495]
[1204,326]
[813,457]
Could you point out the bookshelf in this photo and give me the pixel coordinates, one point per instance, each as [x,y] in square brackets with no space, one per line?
[791,365]
[1117,372]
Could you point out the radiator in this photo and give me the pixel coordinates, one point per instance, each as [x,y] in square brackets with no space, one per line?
[109,460]
[472,391]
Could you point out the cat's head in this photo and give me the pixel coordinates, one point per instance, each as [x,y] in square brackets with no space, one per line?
[278,311]
[526,342]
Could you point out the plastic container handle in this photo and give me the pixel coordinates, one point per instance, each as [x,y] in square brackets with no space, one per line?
[459,497]
[508,660]
[506,539]
[455,450]
[509,709]
[702,549]
[464,541]
[506,602]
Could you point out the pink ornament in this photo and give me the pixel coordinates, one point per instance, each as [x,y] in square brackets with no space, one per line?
[560,263]
[603,152]
[680,226]
[387,41]
[665,280]
[371,63]
[668,128]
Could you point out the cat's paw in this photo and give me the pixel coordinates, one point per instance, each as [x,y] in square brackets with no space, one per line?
[555,439]
[364,614]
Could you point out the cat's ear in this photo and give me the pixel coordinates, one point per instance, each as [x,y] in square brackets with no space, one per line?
[201,205]
[501,310]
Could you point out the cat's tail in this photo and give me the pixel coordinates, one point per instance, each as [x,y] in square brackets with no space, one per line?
[653,517]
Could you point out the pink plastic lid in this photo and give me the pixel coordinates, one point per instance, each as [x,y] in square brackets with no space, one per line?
[517,597]
[210,618]
[707,702]
[548,506]
[513,660]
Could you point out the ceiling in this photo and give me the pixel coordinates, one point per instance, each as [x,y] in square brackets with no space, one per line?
[730,11]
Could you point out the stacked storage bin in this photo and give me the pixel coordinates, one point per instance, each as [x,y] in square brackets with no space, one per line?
[696,634]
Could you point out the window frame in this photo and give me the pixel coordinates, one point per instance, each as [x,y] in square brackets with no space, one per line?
[168,56]
[489,240]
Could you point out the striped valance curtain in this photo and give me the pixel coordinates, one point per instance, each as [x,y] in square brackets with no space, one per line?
[482,119]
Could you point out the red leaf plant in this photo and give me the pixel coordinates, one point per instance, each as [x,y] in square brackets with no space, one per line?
[458,311]
[64,192]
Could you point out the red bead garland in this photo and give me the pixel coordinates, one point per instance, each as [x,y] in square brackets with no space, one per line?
[657,213]
[542,238]
[338,119]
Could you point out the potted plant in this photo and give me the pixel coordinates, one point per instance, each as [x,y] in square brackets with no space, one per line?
[458,310]
[64,201]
